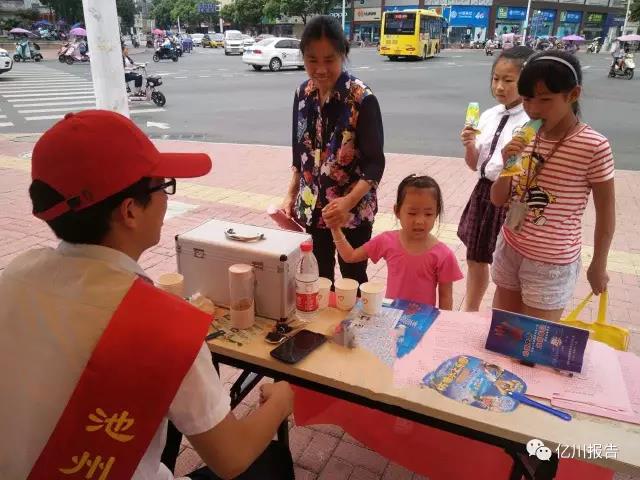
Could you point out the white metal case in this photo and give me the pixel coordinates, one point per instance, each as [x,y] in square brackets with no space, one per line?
[206,253]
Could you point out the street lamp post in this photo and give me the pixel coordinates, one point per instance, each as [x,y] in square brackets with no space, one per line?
[526,23]
[344,8]
[626,18]
[101,21]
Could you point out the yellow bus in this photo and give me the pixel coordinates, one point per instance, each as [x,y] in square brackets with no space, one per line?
[410,33]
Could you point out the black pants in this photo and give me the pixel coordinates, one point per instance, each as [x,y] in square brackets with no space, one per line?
[136,77]
[325,251]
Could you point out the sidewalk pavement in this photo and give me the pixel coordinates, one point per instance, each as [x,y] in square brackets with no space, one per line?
[245,180]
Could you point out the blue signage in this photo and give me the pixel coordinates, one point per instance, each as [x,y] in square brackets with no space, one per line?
[511,13]
[467,16]
[400,8]
[547,16]
[614,20]
[570,17]
[206,7]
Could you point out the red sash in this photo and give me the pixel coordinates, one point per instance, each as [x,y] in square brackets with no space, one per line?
[125,389]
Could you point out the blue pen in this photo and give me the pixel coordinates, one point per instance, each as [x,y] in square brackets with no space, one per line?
[526,400]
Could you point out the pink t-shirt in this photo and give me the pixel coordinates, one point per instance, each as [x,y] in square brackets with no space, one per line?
[413,277]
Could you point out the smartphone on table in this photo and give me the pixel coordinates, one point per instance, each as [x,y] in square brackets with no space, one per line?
[298,346]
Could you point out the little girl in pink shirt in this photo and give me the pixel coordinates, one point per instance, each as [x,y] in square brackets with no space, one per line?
[418,264]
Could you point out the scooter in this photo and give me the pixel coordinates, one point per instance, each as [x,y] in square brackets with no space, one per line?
[73,54]
[488,48]
[594,46]
[24,52]
[62,52]
[148,92]
[165,53]
[624,70]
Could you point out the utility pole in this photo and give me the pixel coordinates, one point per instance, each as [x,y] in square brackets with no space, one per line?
[526,24]
[626,18]
[344,13]
[107,70]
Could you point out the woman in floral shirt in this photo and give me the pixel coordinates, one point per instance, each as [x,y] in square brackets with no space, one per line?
[337,141]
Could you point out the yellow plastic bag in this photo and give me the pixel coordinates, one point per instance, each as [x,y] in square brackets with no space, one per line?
[612,335]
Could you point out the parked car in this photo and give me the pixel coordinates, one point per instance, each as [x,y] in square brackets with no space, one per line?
[6,62]
[217,39]
[275,53]
[233,42]
[247,41]
[197,39]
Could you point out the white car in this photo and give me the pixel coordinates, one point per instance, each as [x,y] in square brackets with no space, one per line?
[197,39]
[275,53]
[6,62]
[233,42]
[247,41]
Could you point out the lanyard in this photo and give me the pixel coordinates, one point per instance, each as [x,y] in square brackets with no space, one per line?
[540,165]
[494,143]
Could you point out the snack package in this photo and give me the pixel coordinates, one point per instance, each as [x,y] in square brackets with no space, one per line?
[513,166]
[473,115]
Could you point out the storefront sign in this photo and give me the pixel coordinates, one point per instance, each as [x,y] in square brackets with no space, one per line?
[462,16]
[337,13]
[614,20]
[511,13]
[594,20]
[544,16]
[367,14]
[604,3]
[570,17]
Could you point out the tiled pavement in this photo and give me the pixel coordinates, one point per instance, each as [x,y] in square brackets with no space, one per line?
[244,181]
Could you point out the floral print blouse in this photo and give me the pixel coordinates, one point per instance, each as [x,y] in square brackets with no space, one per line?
[334,146]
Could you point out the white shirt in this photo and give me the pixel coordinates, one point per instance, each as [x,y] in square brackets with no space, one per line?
[54,306]
[488,124]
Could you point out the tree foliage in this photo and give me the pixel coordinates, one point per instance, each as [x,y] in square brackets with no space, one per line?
[304,9]
[68,10]
[126,12]
[635,11]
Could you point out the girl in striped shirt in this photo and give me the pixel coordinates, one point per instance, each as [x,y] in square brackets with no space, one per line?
[537,257]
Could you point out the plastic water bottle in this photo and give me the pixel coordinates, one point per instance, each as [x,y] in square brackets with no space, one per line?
[307,275]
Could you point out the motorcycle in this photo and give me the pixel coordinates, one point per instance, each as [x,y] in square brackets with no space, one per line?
[74,54]
[165,53]
[25,52]
[624,70]
[594,46]
[178,47]
[148,92]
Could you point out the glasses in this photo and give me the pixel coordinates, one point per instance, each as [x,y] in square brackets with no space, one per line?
[169,187]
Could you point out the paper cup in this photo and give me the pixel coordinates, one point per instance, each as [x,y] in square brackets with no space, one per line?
[346,293]
[172,283]
[324,288]
[372,294]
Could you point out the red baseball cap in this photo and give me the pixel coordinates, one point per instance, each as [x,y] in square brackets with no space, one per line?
[92,155]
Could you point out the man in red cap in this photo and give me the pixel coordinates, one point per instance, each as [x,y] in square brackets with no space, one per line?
[94,360]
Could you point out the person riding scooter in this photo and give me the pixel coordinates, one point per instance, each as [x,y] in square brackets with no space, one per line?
[130,73]
[618,54]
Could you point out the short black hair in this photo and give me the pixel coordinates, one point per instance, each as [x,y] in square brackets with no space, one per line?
[92,224]
[517,55]
[420,181]
[325,26]
[557,76]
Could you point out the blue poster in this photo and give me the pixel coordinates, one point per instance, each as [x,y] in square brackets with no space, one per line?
[537,341]
[467,16]
[511,13]
[570,17]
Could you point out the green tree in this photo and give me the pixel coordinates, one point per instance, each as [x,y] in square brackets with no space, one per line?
[68,10]
[304,9]
[161,12]
[635,11]
[249,12]
[126,12]
[229,12]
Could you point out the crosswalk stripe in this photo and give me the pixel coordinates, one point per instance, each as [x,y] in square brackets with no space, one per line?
[3,116]
[49,110]
[60,97]
[61,88]
[79,91]
[6,124]
[56,117]
[54,104]
[45,83]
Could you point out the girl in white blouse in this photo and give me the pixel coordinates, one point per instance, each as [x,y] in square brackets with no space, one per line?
[481,221]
